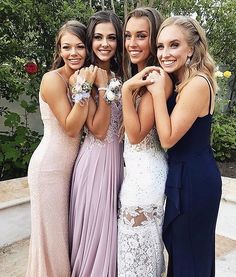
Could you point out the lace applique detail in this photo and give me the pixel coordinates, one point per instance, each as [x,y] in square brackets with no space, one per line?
[150,142]
[140,246]
[140,216]
[146,171]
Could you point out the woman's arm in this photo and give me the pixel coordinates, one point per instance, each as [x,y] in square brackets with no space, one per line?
[137,123]
[54,93]
[193,102]
[99,116]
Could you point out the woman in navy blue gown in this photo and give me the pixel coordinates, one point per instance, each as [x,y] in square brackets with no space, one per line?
[193,186]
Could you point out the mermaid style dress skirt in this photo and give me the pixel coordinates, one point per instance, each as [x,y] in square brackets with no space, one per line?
[140,245]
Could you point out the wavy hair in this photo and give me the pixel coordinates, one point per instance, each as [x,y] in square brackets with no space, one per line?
[105,17]
[200,61]
[73,27]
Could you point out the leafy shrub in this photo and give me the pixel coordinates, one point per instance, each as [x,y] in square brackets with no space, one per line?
[15,152]
[224,135]
[27,34]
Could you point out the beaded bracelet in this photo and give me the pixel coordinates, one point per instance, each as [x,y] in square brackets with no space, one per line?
[81,90]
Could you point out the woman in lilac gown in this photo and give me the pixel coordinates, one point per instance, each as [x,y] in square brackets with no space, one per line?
[98,171]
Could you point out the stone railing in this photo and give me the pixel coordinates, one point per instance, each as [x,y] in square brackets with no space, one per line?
[14,210]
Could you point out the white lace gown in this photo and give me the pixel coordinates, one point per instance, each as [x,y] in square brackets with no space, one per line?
[140,246]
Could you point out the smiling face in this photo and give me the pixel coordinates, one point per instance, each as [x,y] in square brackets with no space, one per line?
[104,42]
[72,51]
[173,50]
[137,36]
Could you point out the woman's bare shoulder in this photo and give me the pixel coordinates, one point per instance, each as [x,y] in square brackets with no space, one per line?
[51,76]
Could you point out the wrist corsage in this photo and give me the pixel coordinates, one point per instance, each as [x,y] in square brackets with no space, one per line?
[112,91]
[81,90]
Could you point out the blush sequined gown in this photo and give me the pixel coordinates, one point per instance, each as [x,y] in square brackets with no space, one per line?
[49,175]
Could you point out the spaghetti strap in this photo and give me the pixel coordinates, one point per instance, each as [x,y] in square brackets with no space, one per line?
[208,82]
[66,83]
[67,87]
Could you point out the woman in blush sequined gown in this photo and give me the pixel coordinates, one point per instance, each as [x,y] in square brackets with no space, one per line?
[98,170]
[50,167]
[140,246]
[193,186]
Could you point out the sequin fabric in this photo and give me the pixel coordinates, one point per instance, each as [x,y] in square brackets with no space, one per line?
[49,176]
[113,129]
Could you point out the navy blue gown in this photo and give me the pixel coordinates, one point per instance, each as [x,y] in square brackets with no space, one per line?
[193,191]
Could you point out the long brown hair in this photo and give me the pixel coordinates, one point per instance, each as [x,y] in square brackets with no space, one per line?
[104,17]
[154,19]
[73,27]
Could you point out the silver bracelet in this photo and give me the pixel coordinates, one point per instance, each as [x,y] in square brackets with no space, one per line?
[99,89]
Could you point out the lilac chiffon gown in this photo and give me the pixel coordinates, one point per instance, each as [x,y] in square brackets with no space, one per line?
[96,180]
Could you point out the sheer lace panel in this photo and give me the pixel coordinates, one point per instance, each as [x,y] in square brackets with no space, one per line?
[140,246]
[140,216]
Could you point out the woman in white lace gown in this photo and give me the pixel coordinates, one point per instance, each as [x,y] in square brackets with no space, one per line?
[140,246]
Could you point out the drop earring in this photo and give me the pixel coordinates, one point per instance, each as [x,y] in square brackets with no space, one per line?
[187,63]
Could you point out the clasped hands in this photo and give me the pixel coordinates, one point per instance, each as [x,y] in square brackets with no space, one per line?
[81,83]
[92,75]
[154,78]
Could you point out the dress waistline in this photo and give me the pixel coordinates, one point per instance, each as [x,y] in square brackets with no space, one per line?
[175,156]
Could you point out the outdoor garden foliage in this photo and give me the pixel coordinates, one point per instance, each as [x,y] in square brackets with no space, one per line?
[27,33]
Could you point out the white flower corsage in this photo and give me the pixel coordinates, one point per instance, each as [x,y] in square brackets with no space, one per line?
[113,91]
[81,90]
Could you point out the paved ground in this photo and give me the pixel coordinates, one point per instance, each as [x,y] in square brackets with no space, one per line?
[13,258]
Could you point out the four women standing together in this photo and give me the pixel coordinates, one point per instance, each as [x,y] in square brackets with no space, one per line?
[169,106]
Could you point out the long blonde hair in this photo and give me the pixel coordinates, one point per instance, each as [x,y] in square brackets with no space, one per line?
[200,61]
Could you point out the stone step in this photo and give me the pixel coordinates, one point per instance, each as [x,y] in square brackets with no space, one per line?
[14,211]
